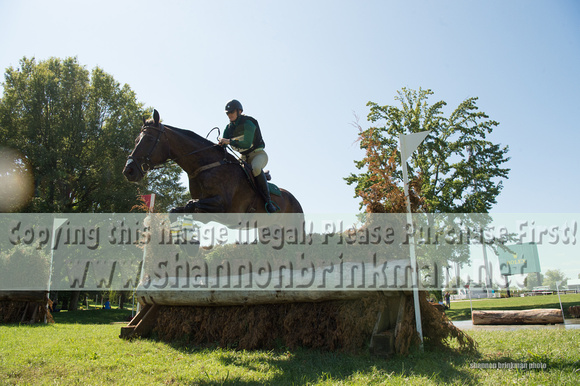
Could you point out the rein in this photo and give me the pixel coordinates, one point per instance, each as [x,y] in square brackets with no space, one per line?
[144,167]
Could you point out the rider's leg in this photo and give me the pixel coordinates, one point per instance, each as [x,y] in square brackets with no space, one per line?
[258,159]
[265,191]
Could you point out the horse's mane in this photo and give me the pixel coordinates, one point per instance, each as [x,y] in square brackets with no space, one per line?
[190,134]
[187,133]
[193,136]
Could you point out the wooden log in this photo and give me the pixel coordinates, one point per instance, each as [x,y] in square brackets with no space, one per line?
[238,298]
[350,280]
[536,316]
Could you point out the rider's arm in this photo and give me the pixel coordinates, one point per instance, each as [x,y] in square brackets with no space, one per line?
[225,140]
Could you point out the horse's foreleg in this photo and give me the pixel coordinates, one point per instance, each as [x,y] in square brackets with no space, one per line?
[177,209]
[190,207]
[205,205]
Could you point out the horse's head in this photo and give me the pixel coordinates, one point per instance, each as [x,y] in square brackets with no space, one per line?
[151,149]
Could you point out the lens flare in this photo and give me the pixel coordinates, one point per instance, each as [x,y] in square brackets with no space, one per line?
[16,182]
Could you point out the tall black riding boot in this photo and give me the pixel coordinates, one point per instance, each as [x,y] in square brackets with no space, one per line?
[262,184]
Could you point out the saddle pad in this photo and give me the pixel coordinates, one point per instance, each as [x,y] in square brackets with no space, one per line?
[274,189]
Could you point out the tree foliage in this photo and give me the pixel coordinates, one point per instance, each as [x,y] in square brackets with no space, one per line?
[455,170]
[533,280]
[552,276]
[74,129]
[164,182]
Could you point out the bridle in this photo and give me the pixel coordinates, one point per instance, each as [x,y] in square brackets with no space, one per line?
[145,165]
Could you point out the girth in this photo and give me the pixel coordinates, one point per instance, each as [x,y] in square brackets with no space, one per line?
[246,167]
[208,166]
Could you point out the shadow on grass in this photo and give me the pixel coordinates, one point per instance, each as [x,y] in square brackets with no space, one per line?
[305,366]
[96,316]
[309,366]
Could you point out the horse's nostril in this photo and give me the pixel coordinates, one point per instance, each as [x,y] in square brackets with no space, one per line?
[129,172]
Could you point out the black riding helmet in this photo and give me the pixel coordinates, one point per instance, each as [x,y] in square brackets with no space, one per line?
[233,105]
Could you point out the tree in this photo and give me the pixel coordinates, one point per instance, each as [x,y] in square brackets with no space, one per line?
[454,283]
[74,131]
[533,280]
[554,275]
[455,170]
[164,182]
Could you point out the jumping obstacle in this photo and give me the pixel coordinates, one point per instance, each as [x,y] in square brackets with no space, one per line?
[334,320]
[509,317]
[341,297]
[24,307]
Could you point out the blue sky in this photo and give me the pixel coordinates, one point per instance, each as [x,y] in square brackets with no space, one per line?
[304,69]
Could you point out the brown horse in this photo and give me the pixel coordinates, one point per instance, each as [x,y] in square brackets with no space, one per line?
[217,182]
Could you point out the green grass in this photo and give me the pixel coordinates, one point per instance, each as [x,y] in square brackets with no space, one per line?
[83,347]
[460,310]
[93,354]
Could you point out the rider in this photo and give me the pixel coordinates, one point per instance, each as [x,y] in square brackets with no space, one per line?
[243,135]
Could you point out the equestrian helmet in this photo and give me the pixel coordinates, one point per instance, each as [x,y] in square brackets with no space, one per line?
[233,105]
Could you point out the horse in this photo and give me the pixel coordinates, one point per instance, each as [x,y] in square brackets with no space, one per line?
[217,181]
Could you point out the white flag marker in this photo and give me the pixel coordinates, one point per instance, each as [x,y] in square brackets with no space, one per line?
[407,145]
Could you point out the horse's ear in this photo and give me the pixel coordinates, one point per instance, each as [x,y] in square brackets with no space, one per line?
[144,121]
[156,116]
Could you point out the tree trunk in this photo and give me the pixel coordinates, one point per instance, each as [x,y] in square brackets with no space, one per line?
[537,316]
[121,300]
[73,303]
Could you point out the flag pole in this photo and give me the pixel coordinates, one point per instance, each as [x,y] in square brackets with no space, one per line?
[151,206]
[408,144]
[56,223]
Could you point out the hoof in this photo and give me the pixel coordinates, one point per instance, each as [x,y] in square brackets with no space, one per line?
[190,207]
